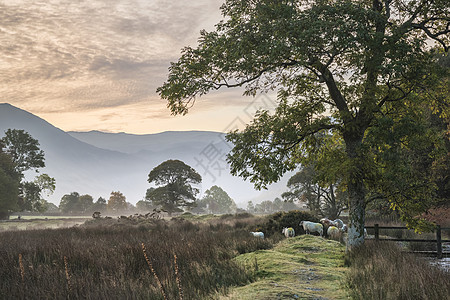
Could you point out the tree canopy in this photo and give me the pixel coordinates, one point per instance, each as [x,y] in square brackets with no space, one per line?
[76,203]
[217,201]
[175,180]
[20,152]
[341,67]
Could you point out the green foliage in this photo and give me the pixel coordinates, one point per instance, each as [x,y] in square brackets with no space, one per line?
[276,222]
[217,201]
[99,205]
[23,149]
[144,205]
[338,68]
[117,202]
[24,154]
[175,179]
[76,203]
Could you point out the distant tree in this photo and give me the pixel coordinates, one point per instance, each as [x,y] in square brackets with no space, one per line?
[117,202]
[144,205]
[51,207]
[85,203]
[217,201]
[31,193]
[76,203]
[326,201]
[69,203]
[175,180]
[250,207]
[99,205]
[281,205]
[24,154]
[265,207]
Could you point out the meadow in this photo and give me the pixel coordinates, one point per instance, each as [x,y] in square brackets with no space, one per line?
[205,257]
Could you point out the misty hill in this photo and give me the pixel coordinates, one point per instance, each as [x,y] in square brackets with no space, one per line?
[97,163]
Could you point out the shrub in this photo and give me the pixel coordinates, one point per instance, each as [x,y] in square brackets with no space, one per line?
[274,223]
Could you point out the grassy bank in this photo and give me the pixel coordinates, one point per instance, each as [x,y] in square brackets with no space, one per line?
[304,267]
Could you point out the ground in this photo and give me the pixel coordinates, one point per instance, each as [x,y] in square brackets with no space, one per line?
[303,267]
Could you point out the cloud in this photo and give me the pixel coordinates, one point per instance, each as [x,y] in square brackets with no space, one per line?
[93,54]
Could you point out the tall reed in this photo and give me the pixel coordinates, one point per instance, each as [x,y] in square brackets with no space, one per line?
[150,265]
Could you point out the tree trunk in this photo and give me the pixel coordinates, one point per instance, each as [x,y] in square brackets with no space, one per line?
[356,193]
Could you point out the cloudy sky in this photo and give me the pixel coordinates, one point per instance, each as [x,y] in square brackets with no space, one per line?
[95,64]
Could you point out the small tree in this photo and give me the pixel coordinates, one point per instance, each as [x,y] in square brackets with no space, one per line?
[117,202]
[217,201]
[175,190]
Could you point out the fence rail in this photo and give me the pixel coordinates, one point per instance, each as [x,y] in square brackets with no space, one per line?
[438,240]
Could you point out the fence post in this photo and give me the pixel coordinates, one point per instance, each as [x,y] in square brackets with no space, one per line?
[439,241]
[377,233]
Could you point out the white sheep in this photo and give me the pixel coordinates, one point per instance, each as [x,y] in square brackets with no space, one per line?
[338,223]
[333,232]
[311,227]
[288,232]
[258,234]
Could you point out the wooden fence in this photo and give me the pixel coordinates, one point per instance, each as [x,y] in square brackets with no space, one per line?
[438,240]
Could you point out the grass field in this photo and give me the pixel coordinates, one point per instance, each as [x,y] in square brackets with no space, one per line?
[207,257]
[303,267]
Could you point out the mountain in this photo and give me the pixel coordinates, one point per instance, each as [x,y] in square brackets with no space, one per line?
[97,163]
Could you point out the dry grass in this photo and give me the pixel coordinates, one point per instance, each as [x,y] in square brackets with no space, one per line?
[106,261]
[382,271]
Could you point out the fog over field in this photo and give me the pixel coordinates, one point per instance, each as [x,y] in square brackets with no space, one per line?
[97,163]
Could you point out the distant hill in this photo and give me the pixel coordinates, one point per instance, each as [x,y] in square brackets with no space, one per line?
[98,163]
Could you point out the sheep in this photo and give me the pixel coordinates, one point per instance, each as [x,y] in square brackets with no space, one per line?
[288,232]
[338,223]
[333,232]
[310,227]
[258,234]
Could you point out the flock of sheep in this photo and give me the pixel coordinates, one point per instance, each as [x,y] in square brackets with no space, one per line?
[334,229]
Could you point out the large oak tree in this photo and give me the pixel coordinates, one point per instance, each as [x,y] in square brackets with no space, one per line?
[175,183]
[338,67]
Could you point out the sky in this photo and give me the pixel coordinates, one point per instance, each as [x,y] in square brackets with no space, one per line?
[95,64]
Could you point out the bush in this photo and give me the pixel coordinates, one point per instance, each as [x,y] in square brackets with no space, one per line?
[274,223]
